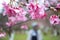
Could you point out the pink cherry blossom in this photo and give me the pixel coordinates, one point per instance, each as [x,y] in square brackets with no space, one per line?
[9,10]
[20,10]
[14,14]
[58,5]
[25,27]
[36,11]
[2,35]
[21,18]
[31,1]
[53,2]
[54,19]
[13,19]
[47,4]
[8,24]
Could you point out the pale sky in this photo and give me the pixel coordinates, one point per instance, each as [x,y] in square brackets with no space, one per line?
[7,1]
[1,6]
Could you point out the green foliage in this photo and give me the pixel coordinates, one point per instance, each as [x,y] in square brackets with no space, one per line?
[20,36]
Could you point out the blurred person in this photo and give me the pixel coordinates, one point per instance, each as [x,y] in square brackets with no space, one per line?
[35,33]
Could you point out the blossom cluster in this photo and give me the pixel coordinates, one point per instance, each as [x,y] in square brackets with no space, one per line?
[14,14]
[54,19]
[2,35]
[25,27]
[36,11]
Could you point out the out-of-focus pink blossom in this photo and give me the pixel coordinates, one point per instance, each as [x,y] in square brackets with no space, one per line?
[10,23]
[58,5]
[14,14]
[36,11]
[2,35]
[8,10]
[25,27]
[31,1]
[13,19]
[12,11]
[19,10]
[47,4]
[21,18]
[54,19]
[53,2]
